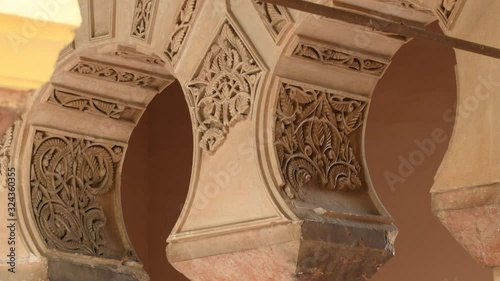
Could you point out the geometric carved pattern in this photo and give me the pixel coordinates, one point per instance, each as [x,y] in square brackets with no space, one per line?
[275,18]
[223,87]
[6,153]
[118,75]
[339,58]
[449,10]
[68,175]
[87,104]
[313,134]
[181,30]
[143,18]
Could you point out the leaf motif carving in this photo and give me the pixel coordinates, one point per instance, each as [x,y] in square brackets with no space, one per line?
[339,58]
[317,138]
[274,17]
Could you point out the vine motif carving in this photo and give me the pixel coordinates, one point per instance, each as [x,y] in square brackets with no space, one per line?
[87,104]
[340,59]
[223,87]
[181,30]
[118,75]
[143,18]
[5,153]
[448,11]
[68,175]
[275,18]
[313,134]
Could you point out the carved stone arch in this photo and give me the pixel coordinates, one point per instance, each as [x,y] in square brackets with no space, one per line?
[72,141]
[312,65]
[280,188]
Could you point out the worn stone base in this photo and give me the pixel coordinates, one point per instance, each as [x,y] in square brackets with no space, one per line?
[471,215]
[26,271]
[61,270]
[309,251]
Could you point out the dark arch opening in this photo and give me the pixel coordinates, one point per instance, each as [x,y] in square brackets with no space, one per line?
[155,179]
[408,130]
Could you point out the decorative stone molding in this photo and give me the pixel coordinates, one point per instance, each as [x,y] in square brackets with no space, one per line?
[98,28]
[143,19]
[275,18]
[223,87]
[448,12]
[313,135]
[183,24]
[96,106]
[68,175]
[134,55]
[6,153]
[340,58]
[119,75]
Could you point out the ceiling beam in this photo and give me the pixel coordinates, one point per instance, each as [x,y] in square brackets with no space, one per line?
[384,24]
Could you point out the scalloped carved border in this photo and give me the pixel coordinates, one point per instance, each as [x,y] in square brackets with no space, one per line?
[97,106]
[119,75]
[182,27]
[340,58]
[276,18]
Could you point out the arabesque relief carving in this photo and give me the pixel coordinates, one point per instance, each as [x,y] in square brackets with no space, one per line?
[275,18]
[68,175]
[313,138]
[223,87]
[87,104]
[338,58]
[5,153]
[143,19]
[181,30]
[118,75]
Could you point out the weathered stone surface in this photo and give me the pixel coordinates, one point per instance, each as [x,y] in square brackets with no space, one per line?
[65,271]
[472,217]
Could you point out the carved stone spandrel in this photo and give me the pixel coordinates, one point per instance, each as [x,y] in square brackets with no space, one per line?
[223,87]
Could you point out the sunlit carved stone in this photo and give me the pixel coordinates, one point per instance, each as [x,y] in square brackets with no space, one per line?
[88,104]
[223,87]
[279,101]
[340,58]
[313,131]
[275,18]
[68,175]
[181,29]
[143,19]
[119,75]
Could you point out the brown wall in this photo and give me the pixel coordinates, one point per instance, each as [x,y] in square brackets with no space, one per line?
[408,105]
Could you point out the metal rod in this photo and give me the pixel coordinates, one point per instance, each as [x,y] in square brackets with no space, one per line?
[385,25]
